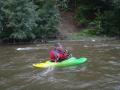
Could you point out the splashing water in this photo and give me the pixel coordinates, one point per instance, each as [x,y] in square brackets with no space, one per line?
[47,71]
[27,48]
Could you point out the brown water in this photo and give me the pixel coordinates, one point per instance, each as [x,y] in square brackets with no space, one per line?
[101,72]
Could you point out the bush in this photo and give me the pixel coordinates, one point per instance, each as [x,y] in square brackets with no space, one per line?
[84,14]
[26,20]
[48,18]
[17,20]
[108,21]
[105,15]
[62,4]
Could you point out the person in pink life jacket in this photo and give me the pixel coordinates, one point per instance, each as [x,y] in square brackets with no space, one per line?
[58,54]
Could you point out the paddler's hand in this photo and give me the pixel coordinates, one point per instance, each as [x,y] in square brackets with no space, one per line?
[66,51]
[69,54]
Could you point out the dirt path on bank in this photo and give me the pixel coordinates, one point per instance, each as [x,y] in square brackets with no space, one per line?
[67,24]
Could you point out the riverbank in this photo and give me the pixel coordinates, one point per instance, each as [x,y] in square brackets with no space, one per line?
[69,31]
[73,37]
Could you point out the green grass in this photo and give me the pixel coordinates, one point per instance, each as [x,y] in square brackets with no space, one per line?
[82,34]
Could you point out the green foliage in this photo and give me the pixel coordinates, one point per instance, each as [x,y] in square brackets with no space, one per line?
[110,20]
[97,23]
[110,23]
[88,32]
[103,15]
[62,4]
[84,14]
[26,20]
[48,18]
[18,18]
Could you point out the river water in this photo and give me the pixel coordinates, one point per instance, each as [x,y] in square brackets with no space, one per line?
[101,72]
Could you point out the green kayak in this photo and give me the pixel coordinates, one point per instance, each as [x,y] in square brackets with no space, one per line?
[66,63]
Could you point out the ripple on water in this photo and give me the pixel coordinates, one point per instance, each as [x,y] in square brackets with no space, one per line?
[114,63]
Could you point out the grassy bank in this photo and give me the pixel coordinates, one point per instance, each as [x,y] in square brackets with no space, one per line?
[88,34]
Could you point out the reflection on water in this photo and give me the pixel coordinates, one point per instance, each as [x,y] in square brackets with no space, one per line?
[101,72]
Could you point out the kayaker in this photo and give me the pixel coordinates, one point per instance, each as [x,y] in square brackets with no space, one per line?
[58,54]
